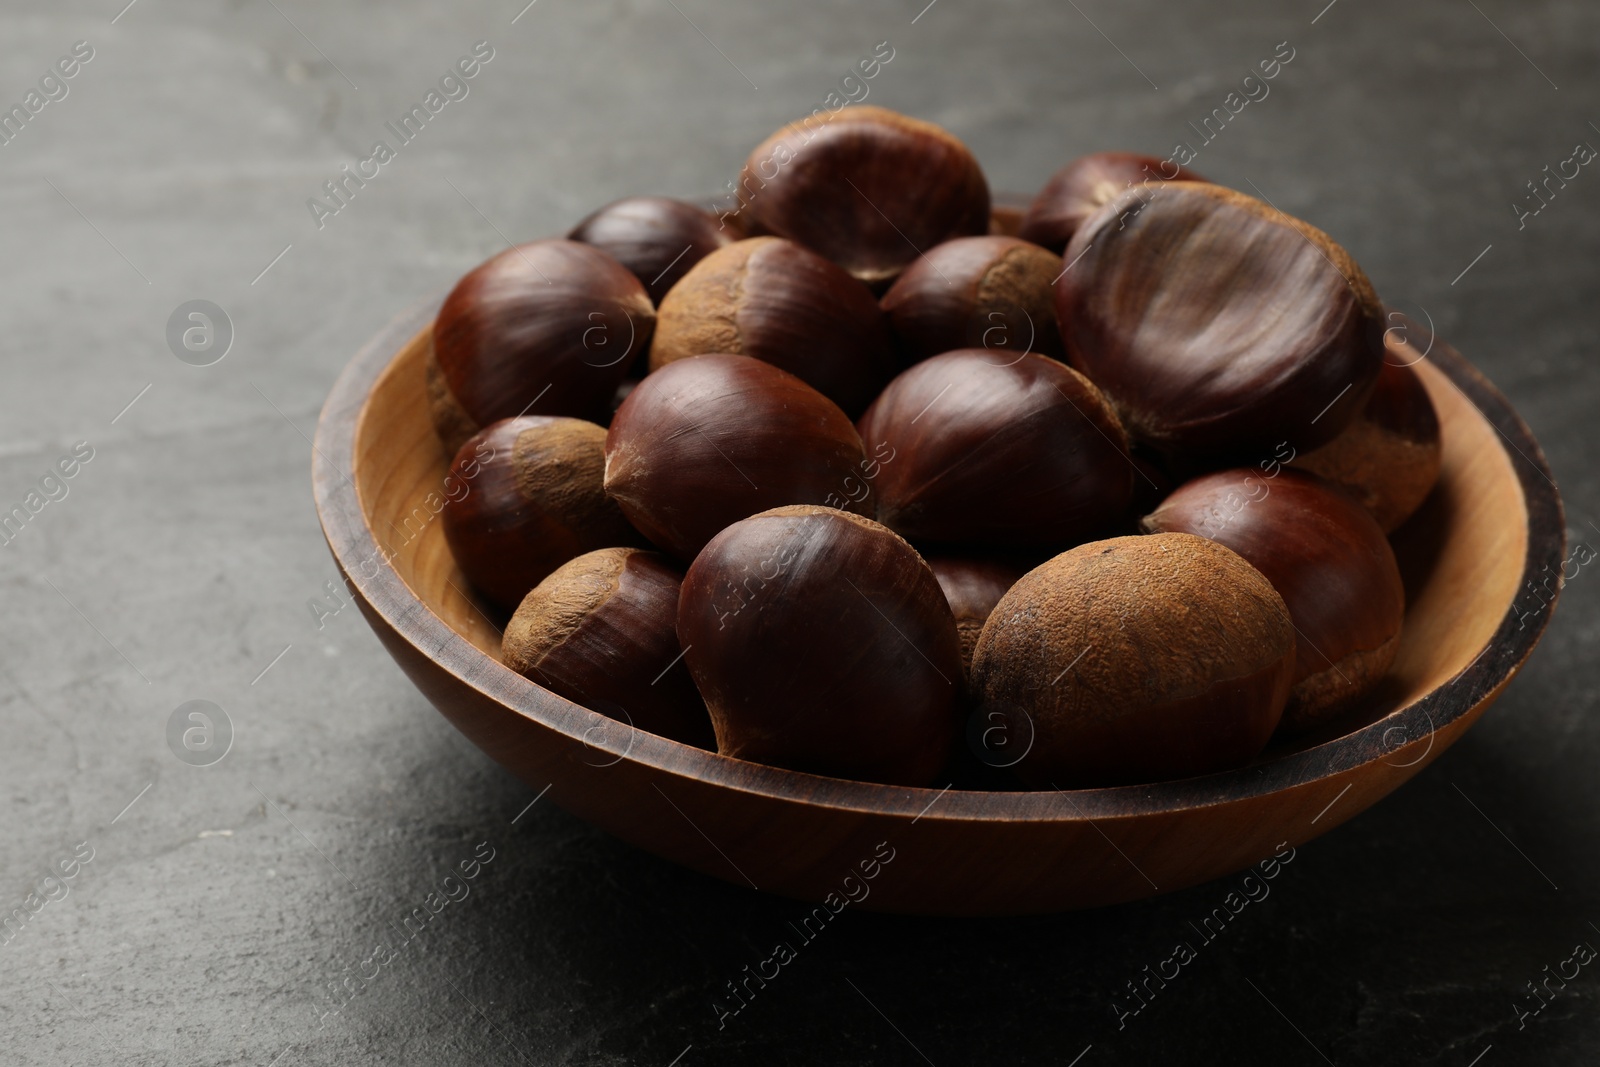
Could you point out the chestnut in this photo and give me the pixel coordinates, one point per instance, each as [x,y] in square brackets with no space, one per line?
[821,642]
[868,188]
[786,305]
[1389,457]
[1327,558]
[1218,326]
[656,238]
[972,587]
[1135,659]
[987,449]
[602,631]
[534,500]
[706,441]
[976,292]
[552,324]
[1083,186]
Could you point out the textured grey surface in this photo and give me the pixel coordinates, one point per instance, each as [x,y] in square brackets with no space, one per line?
[221,905]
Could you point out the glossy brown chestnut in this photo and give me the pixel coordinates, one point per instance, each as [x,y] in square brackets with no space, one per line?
[1136,659]
[1084,186]
[547,328]
[785,305]
[1326,557]
[1218,326]
[1389,457]
[707,441]
[866,187]
[972,587]
[976,292]
[602,632]
[656,238]
[821,642]
[986,448]
[534,499]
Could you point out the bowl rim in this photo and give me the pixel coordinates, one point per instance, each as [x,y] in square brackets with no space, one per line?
[351,542]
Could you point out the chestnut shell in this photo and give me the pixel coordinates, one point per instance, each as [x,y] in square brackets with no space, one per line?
[656,238]
[1389,457]
[785,305]
[1136,659]
[990,292]
[985,448]
[551,325]
[972,587]
[1326,557]
[867,187]
[602,631]
[822,642]
[1083,186]
[534,500]
[1218,326]
[707,441]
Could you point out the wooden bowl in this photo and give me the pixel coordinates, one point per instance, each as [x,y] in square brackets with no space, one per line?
[1479,560]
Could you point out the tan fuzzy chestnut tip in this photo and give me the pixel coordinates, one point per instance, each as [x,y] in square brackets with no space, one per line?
[1389,473]
[1021,278]
[555,608]
[561,465]
[700,314]
[1326,695]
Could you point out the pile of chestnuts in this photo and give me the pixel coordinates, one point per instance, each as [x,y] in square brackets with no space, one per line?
[849,480]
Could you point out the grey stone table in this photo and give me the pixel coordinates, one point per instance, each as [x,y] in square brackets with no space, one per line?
[212,912]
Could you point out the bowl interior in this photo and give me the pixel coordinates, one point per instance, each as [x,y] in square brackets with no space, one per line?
[1462,556]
